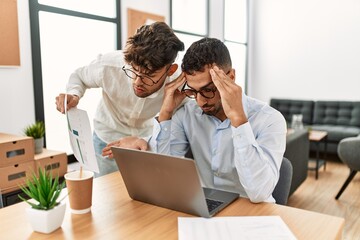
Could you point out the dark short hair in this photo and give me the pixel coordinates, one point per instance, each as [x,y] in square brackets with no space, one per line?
[153,47]
[205,52]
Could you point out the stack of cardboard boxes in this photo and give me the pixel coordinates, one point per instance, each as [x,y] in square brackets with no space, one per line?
[18,161]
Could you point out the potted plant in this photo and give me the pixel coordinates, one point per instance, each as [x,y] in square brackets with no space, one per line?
[37,131]
[46,213]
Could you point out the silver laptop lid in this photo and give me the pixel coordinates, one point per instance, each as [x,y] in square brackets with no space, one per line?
[163,180]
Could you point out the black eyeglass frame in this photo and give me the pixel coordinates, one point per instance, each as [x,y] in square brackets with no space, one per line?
[194,92]
[126,70]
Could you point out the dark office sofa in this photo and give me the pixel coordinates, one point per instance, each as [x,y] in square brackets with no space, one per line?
[340,119]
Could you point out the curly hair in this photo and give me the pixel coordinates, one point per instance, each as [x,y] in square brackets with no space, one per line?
[206,52]
[153,47]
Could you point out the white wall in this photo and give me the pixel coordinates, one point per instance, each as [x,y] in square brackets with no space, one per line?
[16,85]
[305,49]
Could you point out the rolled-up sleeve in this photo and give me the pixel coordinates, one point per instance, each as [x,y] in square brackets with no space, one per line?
[160,139]
[258,157]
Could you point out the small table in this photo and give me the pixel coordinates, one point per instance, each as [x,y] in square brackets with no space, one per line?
[318,137]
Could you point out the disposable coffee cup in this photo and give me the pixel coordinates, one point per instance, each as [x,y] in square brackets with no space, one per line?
[79,187]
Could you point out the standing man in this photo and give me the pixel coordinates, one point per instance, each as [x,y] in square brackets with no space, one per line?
[132,88]
[237,142]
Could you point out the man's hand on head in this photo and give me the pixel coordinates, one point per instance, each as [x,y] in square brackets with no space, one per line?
[172,98]
[131,142]
[231,96]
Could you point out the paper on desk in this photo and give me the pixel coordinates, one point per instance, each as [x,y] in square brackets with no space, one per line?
[231,228]
[81,138]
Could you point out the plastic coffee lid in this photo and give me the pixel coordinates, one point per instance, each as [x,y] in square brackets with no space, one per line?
[76,175]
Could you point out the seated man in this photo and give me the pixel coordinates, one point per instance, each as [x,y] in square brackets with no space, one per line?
[237,142]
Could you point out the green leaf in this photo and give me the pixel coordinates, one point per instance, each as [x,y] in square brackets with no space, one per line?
[42,200]
[36,130]
[43,188]
[33,205]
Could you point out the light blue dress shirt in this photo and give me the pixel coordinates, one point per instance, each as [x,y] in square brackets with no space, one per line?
[244,159]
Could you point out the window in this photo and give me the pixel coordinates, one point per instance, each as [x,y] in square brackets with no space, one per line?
[183,13]
[67,35]
[235,37]
[192,20]
[107,8]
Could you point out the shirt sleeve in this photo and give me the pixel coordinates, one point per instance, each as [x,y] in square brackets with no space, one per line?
[169,137]
[160,139]
[89,76]
[258,158]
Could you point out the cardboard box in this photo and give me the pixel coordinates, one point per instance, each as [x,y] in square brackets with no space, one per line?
[9,189]
[15,149]
[52,160]
[13,176]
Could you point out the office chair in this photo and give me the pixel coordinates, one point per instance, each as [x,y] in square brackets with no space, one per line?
[282,188]
[349,153]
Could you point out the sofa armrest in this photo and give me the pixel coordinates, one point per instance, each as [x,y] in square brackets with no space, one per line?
[297,151]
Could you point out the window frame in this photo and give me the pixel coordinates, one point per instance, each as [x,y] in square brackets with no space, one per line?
[208,27]
[34,8]
[246,83]
[191,33]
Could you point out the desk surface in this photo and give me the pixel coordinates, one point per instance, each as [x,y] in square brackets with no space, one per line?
[115,216]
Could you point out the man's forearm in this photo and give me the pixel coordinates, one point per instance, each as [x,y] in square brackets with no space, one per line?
[164,116]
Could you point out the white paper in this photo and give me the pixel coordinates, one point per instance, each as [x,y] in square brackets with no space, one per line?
[81,138]
[231,228]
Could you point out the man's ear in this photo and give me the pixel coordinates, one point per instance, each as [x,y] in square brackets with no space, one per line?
[172,69]
[231,74]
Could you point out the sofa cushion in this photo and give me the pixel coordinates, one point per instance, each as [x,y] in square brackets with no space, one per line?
[289,107]
[336,133]
[337,113]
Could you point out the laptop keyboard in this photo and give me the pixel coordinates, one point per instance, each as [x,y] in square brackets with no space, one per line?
[212,204]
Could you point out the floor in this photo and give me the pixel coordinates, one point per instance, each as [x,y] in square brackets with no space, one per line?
[319,196]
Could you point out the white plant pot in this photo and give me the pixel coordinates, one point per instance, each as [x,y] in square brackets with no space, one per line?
[46,221]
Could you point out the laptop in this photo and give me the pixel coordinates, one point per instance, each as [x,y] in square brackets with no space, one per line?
[169,182]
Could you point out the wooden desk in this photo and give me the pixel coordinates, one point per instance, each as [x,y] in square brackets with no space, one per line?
[115,216]
[318,137]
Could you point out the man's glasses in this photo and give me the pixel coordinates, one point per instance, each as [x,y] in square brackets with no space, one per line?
[144,79]
[204,91]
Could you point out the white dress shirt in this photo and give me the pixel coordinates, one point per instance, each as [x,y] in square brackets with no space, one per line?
[244,159]
[120,112]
